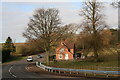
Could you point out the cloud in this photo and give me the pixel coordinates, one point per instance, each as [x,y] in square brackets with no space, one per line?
[56,0]
[111,15]
[69,14]
[16,16]
[0,21]
[14,22]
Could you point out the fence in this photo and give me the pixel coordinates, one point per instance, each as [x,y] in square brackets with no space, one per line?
[77,71]
[94,67]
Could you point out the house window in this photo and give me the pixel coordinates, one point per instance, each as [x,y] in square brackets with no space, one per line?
[60,56]
[62,50]
[66,57]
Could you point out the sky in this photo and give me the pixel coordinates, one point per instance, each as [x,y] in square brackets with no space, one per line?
[15,16]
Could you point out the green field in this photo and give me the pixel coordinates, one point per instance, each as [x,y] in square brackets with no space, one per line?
[13,58]
[110,62]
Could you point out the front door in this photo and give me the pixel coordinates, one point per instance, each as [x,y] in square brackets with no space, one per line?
[66,56]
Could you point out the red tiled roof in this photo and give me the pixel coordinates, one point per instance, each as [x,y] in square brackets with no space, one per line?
[69,45]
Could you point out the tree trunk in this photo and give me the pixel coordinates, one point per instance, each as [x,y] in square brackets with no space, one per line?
[95,55]
[95,46]
[94,33]
[47,58]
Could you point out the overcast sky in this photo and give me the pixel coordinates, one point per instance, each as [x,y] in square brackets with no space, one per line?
[15,16]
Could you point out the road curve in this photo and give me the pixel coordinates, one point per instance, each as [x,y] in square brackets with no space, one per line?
[17,71]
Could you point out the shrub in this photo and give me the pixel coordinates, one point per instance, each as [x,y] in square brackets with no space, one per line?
[5,54]
[53,57]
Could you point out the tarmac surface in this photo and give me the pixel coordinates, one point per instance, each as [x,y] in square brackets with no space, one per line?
[23,70]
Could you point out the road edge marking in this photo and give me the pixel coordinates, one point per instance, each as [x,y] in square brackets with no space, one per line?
[11,72]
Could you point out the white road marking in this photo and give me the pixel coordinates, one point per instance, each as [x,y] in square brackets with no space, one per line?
[26,68]
[11,72]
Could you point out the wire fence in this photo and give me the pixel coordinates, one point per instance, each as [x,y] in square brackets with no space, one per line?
[89,67]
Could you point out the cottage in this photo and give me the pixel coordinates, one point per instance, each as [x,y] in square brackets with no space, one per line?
[65,51]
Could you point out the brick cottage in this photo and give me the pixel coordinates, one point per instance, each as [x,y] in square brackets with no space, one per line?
[65,51]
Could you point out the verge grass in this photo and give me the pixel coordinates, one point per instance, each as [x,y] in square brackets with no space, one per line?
[14,58]
[109,62]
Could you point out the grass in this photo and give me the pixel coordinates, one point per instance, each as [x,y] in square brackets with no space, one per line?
[110,62]
[13,58]
[87,65]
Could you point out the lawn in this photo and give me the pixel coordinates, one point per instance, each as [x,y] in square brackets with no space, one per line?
[110,63]
[13,58]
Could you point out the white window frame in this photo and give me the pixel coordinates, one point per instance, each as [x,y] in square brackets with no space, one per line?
[62,50]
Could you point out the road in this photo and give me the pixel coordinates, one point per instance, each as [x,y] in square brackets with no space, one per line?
[17,71]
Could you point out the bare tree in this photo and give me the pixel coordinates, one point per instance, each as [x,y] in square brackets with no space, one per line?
[116,4]
[44,26]
[93,22]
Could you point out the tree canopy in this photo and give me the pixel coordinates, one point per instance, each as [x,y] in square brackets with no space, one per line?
[93,24]
[7,48]
[45,27]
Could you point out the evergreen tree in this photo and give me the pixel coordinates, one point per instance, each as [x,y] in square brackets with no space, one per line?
[7,48]
[8,45]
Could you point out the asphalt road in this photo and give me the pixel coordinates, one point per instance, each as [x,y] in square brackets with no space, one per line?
[17,71]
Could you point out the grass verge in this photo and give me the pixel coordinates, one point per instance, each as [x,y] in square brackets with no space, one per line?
[13,58]
[109,63]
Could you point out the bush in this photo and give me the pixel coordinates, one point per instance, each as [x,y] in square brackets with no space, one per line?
[21,50]
[53,57]
[26,50]
[5,55]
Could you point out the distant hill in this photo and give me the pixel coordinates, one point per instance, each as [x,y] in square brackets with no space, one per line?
[18,44]
[15,44]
